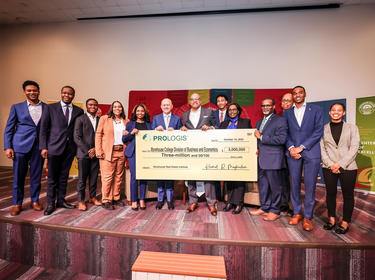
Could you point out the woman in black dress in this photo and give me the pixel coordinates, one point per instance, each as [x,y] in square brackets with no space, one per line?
[235,189]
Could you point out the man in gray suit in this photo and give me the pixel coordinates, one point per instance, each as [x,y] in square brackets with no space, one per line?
[88,165]
[202,118]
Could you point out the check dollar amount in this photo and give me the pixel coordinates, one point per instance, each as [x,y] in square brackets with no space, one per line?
[219,154]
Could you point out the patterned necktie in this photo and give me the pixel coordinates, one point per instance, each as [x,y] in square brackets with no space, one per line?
[262,125]
[221,116]
[67,114]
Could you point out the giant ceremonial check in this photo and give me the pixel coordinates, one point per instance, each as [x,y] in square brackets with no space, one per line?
[218,154]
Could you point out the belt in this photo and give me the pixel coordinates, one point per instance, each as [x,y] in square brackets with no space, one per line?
[118,147]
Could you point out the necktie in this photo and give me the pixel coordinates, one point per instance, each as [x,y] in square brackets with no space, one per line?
[167,121]
[221,116]
[67,114]
[262,125]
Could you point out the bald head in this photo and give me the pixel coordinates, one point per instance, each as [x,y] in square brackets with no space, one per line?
[166,106]
[287,101]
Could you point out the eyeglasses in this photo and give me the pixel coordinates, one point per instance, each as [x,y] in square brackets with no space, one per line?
[194,99]
[286,101]
[232,110]
[267,105]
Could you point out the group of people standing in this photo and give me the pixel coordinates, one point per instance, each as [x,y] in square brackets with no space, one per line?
[59,131]
[307,143]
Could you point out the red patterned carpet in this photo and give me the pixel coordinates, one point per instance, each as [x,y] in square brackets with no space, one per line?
[268,246]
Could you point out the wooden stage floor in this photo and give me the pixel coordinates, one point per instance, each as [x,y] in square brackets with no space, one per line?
[199,227]
[200,224]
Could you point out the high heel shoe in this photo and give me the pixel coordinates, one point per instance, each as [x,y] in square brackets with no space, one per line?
[329,226]
[134,206]
[142,207]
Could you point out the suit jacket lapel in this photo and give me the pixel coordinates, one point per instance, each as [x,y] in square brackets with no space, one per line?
[188,118]
[306,115]
[43,108]
[200,117]
[268,121]
[327,131]
[88,121]
[162,121]
[27,112]
[293,117]
[74,114]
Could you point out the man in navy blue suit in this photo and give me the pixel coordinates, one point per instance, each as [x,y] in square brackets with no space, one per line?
[162,122]
[21,143]
[57,144]
[305,126]
[271,133]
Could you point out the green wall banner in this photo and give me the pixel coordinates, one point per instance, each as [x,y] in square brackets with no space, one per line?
[365,119]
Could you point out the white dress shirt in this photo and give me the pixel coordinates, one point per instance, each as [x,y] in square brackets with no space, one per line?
[64,106]
[195,116]
[93,120]
[118,129]
[299,113]
[35,111]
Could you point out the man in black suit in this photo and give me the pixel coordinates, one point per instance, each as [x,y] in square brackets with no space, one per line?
[88,165]
[57,145]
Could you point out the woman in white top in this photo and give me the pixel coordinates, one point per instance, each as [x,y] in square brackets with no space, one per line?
[110,151]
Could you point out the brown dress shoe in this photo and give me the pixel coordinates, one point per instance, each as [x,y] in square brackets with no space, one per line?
[257,212]
[213,210]
[192,207]
[271,217]
[82,206]
[36,206]
[16,210]
[295,219]
[307,224]
[95,201]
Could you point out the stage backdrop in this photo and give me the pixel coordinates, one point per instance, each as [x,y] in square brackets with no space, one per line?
[249,99]
[365,119]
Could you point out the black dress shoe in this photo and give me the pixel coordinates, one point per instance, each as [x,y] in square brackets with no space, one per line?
[341,230]
[108,206]
[238,209]
[228,207]
[159,205]
[329,226]
[65,204]
[170,205]
[118,203]
[49,210]
[142,208]
[135,208]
